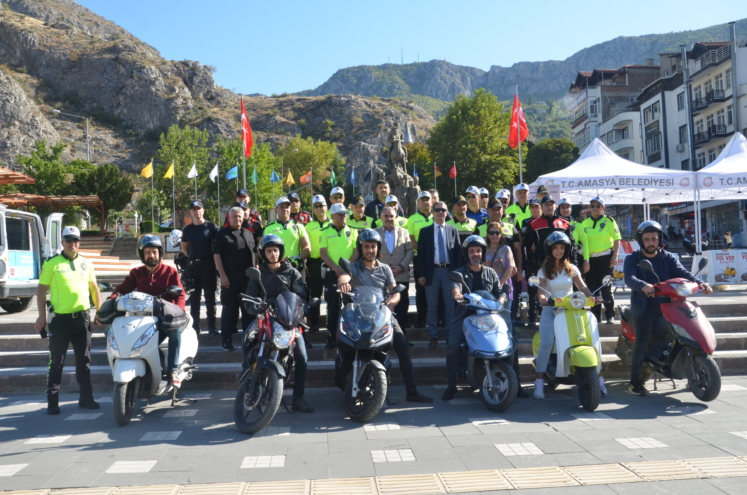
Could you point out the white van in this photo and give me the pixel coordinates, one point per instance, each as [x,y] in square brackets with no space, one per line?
[24,246]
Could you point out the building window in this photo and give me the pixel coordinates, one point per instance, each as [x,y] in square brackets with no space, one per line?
[697,93]
[699,126]
[709,121]
[728,78]
[701,160]
[711,155]
[729,114]
[718,81]
[683,134]
[720,118]
[721,148]
[707,86]
[653,143]
[593,107]
[655,111]
[610,137]
[686,164]
[681,101]
[651,113]
[624,133]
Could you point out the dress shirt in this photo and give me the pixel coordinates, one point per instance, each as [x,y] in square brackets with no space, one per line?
[389,238]
[438,231]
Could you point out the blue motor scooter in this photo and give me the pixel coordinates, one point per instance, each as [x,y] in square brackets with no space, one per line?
[485,360]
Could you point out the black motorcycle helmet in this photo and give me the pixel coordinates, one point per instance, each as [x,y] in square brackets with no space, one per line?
[149,241]
[271,240]
[558,238]
[649,226]
[472,241]
[369,235]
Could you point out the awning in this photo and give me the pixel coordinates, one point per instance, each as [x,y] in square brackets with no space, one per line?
[53,202]
[10,177]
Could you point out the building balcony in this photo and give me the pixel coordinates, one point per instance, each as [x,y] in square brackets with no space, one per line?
[708,59]
[653,158]
[701,137]
[717,95]
[713,132]
[699,104]
[575,121]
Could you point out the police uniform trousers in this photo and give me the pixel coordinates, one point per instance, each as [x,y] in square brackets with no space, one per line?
[205,280]
[316,287]
[65,329]
[232,304]
[599,267]
[332,297]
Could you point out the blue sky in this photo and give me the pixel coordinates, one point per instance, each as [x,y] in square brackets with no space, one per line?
[290,45]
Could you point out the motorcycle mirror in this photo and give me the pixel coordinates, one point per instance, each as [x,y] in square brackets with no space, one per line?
[646,266]
[345,265]
[456,277]
[253,273]
[534,281]
[607,280]
[174,290]
[105,287]
[314,303]
[398,288]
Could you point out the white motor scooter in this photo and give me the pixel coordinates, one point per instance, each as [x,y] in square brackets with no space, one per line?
[135,356]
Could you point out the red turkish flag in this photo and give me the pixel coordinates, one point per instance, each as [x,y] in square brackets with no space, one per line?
[519,130]
[306,178]
[246,132]
[453,172]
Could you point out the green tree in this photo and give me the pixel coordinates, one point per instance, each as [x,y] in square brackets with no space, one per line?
[419,157]
[300,155]
[46,166]
[114,188]
[473,134]
[549,156]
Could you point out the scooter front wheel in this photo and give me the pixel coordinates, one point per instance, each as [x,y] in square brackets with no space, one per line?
[502,394]
[254,407]
[372,386]
[124,400]
[704,377]
[588,388]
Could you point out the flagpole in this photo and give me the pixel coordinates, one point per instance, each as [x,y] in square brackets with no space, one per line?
[518,139]
[173,197]
[152,197]
[243,149]
[455,187]
[217,180]
[434,176]
[282,174]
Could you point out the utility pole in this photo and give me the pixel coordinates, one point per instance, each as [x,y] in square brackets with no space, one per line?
[402,56]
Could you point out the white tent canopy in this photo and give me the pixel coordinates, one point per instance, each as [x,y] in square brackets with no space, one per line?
[599,171]
[726,176]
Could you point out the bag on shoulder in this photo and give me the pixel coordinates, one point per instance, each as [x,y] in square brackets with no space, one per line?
[170,316]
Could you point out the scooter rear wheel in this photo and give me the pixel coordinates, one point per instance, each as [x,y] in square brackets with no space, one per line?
[371,395]
[588,388]
[254,409]
[505,386]
[704,377]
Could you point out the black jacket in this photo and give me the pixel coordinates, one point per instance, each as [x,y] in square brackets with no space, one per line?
[285,278]
[426,246]
[225,246]
[490,283]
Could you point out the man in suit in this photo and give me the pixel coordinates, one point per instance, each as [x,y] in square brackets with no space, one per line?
[439,253]
[397,252]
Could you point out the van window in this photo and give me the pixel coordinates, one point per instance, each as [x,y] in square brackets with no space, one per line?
[19,234]
[54,236]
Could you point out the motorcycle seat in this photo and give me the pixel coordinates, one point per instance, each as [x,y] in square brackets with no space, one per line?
[624,312]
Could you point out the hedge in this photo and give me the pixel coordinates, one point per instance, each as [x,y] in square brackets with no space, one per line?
[150,227]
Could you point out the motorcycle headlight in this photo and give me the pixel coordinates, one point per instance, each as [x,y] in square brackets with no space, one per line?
[281,338]
[483,323]
[381,332]
[577,300]
[143,340]
[135,305]
[112,342]
[683,290]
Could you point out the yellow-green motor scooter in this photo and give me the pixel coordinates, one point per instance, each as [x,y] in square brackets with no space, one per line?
[576,357]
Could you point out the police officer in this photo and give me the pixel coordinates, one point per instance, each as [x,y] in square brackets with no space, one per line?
[292,233]
[484,198]
[600,237]
[197,244]
[421,218]
[358,220]
[252,219]
[474,211]
[314,277]
[337,241]
[460,221]
[399,221]
[297,214]
[71,282]
[564,212]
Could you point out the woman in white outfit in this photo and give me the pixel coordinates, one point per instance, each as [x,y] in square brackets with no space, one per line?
[557,276]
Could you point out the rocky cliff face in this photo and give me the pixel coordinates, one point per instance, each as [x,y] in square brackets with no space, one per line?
[57,55]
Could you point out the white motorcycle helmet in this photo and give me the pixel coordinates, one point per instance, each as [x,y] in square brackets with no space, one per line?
[176,237]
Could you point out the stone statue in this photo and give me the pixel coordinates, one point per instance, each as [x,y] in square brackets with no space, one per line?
[397,156]
[403,186]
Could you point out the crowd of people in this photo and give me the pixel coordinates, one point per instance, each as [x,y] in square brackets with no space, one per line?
[491,241]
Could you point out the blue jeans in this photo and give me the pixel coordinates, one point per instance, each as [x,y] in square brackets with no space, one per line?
[547,337]
[175,340]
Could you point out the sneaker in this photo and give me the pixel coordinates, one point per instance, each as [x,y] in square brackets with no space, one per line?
[88,404]
[302,406]
[539,389]
[602,387]
[214,331]
[637,388]
[175,381]
[449,393]
[228,345]
[611,321]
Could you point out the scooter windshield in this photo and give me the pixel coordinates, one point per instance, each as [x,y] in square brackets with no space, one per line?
[289,309]
[365,309]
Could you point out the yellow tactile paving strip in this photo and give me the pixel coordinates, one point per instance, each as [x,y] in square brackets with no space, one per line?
[467,481]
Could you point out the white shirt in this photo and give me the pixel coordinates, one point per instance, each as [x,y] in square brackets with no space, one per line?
[389,239]
[437,232]
[562,284]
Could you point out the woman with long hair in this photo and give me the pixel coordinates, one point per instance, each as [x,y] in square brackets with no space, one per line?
[557,276]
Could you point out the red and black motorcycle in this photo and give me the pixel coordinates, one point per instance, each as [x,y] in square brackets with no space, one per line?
[685,349]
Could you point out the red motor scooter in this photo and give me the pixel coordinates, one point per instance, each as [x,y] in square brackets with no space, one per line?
[685,349]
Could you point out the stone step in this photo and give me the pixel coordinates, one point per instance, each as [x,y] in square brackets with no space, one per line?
[215,376]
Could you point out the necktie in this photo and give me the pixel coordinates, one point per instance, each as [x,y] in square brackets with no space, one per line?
[442,246]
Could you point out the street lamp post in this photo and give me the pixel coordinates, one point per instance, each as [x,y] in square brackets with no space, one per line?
[88,142]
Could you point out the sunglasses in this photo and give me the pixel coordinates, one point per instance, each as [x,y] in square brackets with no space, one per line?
[337,196]
[440,210]
[484,196]
[471,196]
[319,206]
[596,206]
[71,241]
[494,232]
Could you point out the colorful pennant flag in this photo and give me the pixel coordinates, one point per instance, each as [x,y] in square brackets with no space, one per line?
[289,180]
[332,177]
[232,173]
[352,177]
[306,178]
[147,170]
[415,171]
[255,178]
[453,172]
[169,172]
[192,171]
[214,173]
[274,177]
[438,172]
[246,132]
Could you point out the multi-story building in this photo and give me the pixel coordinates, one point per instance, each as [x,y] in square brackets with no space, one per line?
[600,101]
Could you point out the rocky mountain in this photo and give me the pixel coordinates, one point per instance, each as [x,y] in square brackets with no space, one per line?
[56,56]
[442,80]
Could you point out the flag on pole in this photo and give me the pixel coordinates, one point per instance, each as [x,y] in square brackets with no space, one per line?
[192,171]
[233,173]
[519,130]
[214,173]
[332,177]
[305,178]
[415,171]
[438,172]
[453,172]
[169,172]
[352,177]
[289,180]
[246,132]
[255,177]
[274,177]
[147,170]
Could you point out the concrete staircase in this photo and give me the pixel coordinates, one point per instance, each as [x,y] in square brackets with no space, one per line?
[99,251]
[23,355]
